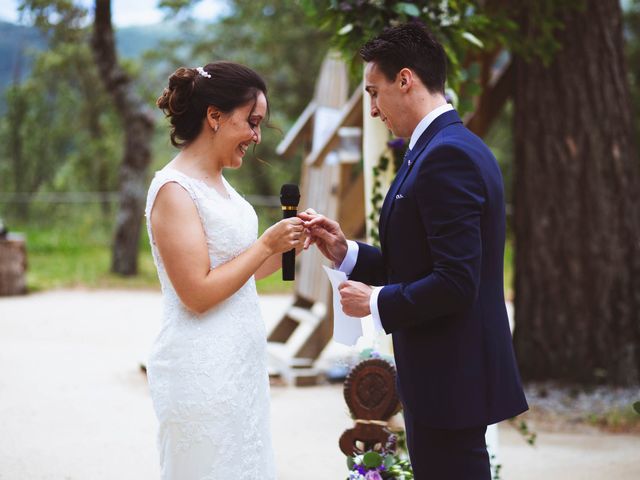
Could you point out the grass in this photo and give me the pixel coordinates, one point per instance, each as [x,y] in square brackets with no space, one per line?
[78,256]
[69,247]
[508,269]
[620,420]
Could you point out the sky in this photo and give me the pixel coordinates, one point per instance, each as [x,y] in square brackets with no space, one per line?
[129,12]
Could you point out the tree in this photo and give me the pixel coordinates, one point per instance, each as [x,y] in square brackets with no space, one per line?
[577,211]
[272,37]
[59,127]
[138,123]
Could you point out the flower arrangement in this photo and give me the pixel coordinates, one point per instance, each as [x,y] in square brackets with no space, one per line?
[389,462]
[383,465]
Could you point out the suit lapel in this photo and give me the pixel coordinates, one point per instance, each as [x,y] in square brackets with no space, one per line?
[438,124]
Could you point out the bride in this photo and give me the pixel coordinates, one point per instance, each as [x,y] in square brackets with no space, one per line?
[207,368]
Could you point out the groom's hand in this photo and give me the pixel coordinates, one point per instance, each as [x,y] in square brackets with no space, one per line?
[354,297]
[326,234]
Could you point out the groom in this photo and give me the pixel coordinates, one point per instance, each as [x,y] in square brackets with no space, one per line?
[439,273]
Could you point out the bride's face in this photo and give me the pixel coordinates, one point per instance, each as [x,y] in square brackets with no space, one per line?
[239,129]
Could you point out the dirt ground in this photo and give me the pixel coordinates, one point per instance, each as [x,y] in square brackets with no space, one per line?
[74,403]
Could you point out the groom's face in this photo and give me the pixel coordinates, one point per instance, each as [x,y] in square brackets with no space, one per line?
[385,99]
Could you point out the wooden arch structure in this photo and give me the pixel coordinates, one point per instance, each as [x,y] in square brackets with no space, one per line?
[332,183]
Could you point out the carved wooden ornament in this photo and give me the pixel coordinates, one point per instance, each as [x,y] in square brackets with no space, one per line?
[370,393]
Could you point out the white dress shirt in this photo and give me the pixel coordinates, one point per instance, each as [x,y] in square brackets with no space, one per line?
[351,257]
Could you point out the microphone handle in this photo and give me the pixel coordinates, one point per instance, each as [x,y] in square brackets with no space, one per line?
[289,258]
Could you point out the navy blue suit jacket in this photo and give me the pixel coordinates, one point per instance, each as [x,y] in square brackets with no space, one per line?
[442,232]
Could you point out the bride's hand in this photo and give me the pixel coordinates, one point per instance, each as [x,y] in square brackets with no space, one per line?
[283,236]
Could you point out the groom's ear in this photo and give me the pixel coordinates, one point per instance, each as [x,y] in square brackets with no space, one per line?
[405,79]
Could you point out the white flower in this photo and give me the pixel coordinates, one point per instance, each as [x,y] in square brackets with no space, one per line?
[203,72]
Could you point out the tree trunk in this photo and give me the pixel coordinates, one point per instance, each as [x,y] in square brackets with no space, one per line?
[577,213]
[137,122]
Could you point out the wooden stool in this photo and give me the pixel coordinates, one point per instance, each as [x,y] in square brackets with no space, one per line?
[13,265]
[370,393]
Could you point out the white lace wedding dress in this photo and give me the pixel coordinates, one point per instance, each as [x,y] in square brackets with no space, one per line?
[208,373]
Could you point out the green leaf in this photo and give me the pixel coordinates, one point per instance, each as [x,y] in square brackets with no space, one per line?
[372,460]
[473,71]
[366,353]
[471,38]
[636,407]
[350,463]
[451,55]
[346,29]
[407,8]
[389,461]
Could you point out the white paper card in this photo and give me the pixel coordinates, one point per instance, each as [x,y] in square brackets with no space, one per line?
[346,329]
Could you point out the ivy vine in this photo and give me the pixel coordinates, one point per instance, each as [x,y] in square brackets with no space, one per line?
[390,159]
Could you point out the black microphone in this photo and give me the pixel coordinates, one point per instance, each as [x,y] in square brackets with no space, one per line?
[289,199]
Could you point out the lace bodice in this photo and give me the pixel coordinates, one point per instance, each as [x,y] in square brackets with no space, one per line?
[208,373]
[230,224]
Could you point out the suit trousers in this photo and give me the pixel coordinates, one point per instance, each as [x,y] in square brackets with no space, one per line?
[439,454]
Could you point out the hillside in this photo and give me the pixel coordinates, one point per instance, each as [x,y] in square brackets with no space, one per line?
[20,44]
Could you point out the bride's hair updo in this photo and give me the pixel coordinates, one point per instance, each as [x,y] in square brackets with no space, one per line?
[224,85]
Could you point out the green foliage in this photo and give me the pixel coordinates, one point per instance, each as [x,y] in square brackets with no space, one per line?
[632,47]
[60,131]
[462,27]
[272,37]
[509,269]
[542,19]
[496,468]
[377,197]
[387,465]
[61,20]
[18,45]
[617,419]
[69,246]
[397,148]
[523,428]
[372,460]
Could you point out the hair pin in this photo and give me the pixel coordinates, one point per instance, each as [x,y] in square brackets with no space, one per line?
[203,72]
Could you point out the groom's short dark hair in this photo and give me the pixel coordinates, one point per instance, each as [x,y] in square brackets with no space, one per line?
[409,45]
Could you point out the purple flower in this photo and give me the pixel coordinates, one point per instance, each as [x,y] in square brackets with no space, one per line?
[396,143]
[372,475]
[391,443]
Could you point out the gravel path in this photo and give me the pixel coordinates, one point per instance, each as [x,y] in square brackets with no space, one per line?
[74,404]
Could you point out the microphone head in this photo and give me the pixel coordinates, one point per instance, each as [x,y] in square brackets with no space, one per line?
[290,195]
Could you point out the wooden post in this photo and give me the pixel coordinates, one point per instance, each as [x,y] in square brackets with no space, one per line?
[374,142]
[13,265]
